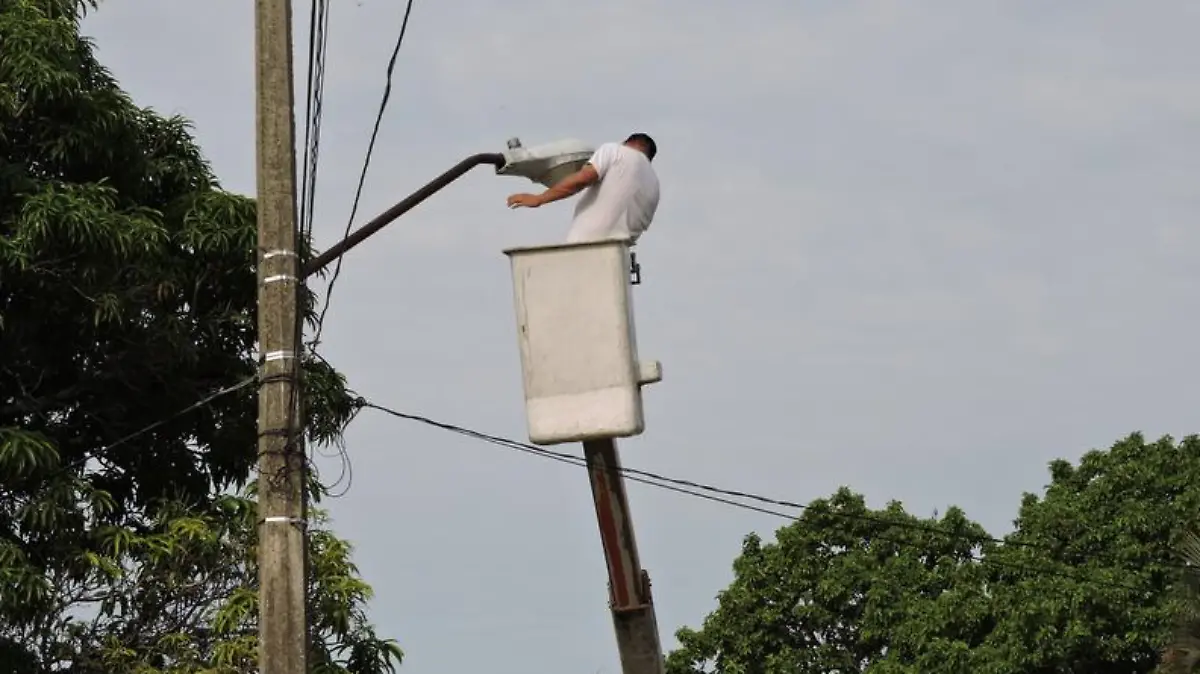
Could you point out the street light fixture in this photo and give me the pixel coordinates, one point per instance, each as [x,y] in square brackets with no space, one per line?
[544,164]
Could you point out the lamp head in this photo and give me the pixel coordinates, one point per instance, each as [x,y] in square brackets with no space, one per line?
[545,164]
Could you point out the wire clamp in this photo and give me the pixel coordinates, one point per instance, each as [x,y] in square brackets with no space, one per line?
[299,522]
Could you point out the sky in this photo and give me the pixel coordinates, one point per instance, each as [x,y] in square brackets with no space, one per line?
[916,248]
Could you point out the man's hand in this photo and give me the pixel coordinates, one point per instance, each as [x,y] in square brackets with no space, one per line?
[525,200]
[566,187]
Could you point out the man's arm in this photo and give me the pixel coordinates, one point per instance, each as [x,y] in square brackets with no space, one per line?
[566,187]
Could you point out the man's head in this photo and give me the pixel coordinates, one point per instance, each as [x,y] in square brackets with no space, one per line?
[643,143]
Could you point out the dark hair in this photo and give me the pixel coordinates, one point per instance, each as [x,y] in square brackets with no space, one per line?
[646,141]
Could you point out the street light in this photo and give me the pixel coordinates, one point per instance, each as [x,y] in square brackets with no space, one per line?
[544,164]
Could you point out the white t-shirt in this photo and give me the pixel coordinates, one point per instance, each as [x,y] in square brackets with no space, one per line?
[622,202]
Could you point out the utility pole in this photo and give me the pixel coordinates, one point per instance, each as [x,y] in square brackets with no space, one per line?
[632,605]
[283,625]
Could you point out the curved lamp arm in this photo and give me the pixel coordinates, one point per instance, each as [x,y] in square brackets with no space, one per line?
[385,218]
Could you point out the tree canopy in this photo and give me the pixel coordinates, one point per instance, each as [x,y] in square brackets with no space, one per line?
[1085,583]
[127,295]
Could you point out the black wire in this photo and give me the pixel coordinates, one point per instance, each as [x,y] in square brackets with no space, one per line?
[317,57]
[697,490]
[308,115]
[314,99]
[362,178]
[318,41]
[203,402]
[633,472]
[346,477]
[686,487]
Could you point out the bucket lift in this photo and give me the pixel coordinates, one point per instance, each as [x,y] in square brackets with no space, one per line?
[583,382]
[574,303]
[582,376]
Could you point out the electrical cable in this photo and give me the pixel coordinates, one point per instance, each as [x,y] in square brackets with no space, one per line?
[685,487]
[362,178]
[203,402]
[206,400]
[318,48]
[687,484]
[314,99]
[318,43]
[728,496]
[345,478]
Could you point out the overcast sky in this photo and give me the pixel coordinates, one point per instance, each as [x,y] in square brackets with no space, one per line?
[916,248]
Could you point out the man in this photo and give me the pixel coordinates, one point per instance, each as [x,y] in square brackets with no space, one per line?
[621,196]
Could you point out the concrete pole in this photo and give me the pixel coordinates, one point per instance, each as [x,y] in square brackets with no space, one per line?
[632,605]
[283,633]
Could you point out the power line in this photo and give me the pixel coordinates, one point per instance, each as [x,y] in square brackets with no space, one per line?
[728,496]
[345,479]
[318,47]
[206,400]
[686,487]
[362,178]
[648,477]
[151,427]
[568,459]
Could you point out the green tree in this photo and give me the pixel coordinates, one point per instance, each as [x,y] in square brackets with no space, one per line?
[127,293]
[848,589]
[1086,583]
[1092,565]
[1182,654]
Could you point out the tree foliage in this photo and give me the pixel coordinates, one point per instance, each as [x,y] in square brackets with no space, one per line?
[1087,582]
[1182,655]
[127,294]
